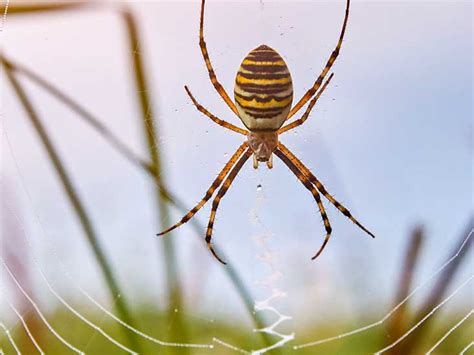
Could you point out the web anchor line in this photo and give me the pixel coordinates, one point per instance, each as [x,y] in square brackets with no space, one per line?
[37,309]
[464,351]
[400,304]
[448,333]
[427,316]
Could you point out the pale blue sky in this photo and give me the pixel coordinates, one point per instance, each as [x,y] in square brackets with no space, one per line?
[391,139]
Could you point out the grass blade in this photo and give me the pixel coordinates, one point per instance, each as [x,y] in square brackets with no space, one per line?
[82,112]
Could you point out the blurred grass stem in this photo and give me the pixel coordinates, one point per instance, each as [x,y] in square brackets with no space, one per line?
[399,321]
[410,346]
[149,124]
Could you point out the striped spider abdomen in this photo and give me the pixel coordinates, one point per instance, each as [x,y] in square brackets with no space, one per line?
[263,90]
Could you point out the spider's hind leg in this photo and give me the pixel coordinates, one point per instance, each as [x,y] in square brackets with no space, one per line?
[216,183]
[321,188]
[215,204]
[301,176]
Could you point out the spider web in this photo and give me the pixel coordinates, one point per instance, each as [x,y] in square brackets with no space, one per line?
[267,257]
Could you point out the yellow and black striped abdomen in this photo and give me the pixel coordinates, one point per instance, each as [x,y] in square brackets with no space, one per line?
[263,90]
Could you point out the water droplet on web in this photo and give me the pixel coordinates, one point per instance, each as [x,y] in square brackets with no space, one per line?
[333,99]
[259,187]
[208,131]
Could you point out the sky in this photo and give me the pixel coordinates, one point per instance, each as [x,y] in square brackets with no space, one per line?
[391,138]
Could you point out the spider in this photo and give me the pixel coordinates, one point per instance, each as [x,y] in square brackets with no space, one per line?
[263,96]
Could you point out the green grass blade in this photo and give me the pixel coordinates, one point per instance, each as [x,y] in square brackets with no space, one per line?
[150,125]
[77,205]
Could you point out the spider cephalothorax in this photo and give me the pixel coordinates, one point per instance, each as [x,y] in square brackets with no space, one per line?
[263,96]
[263,144]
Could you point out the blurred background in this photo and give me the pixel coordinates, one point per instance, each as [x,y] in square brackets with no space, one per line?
[102,149]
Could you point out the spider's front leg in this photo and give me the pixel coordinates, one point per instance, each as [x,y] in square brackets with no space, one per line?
[217,120]
[212,75]
[309,94]
[305,116]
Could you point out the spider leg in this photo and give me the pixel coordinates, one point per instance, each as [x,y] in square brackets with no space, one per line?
[211,189]
[217,120]
[303,178]
[308,109]
[222,191]
[309,94]
[212,75]
[321,188]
